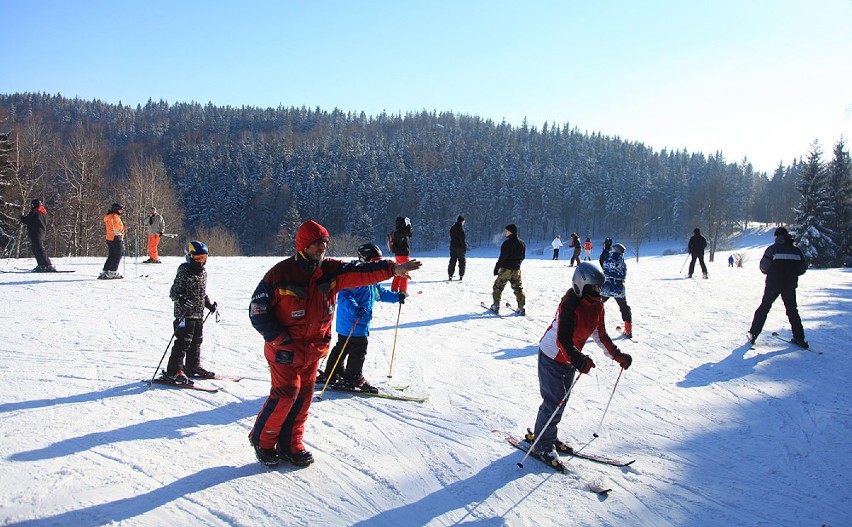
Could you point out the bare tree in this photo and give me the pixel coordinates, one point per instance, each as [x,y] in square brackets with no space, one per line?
[149,186]
[82,168]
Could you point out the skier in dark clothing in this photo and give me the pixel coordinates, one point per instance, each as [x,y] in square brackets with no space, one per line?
[36,222]
[401,247]
[508,269]
[189,293]
[577,246]
[696,247]
[782,263]
[458,248]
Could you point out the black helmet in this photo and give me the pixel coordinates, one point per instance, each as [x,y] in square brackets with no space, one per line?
[369,251]
[115,207]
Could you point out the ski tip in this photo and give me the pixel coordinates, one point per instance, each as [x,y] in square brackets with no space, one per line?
[599,490]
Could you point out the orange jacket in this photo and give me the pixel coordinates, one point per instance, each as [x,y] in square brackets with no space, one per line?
[114,226]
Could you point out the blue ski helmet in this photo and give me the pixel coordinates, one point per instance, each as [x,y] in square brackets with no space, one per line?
[194,248]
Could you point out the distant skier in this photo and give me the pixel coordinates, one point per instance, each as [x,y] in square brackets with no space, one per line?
[577,246]
[156,226]
[580,315]
[114,235]
[696,247]
[508,269]
[615,271]
[36,222]
[401,247]
[731,260]
[354,314]
[587,246]
[458,248]
[556,244]
[189,294]
[782,263]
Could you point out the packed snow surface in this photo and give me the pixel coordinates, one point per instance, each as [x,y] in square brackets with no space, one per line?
[721,434]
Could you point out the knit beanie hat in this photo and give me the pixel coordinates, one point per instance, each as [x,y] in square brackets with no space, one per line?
[512,228]
[308,233]
[460,219]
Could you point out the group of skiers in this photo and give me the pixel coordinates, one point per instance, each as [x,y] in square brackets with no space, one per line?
[574,244]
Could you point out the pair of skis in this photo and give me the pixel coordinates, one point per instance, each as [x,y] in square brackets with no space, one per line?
[194,386]
[380,395]
[487,307]
[788,341]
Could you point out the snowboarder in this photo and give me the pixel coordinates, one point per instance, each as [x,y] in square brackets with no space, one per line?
[615,271]
[36,222]
[354,314]
[782,263]
[156,227]
[114,235]
[696,247]
[189,294]
[580,315]
[508,269]
[587,246]
[401,247]
[292,308]
[458,248]
[575,244]
[556,244]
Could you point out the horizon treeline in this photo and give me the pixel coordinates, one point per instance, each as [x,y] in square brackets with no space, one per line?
[246,177]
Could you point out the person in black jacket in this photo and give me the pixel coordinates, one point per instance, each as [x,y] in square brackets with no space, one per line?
[696,247]
[508,269]
[458,248]
[782,263]
[401,247]
[36,222]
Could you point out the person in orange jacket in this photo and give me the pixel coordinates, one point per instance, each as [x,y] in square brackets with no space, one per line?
[114,237]
[292,308]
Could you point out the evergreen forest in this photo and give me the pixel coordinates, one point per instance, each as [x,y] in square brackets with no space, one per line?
[242,179]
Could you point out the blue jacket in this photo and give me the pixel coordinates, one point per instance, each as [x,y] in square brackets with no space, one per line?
[350,299]
[615,270]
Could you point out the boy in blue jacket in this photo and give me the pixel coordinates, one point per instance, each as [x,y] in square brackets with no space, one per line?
[354,314]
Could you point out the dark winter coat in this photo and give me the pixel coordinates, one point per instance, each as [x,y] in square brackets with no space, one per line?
[783,263]
[615,270]
[697,244]
[401,238]
[189,291]
[512,253]
[36,222]
[457,237]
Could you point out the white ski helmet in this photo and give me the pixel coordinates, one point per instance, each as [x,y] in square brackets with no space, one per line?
[586,273]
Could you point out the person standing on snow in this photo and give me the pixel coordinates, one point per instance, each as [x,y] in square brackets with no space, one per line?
[36,222]
[354,314]
[587,246]
[696,247]
[575,244]
[580,315]
[556,244]
[114,235]
[607,246]
[782,263]
[156,226]
[508,269]
[458,248]
[292,308]
[401,247]
[189,294]
[615,271]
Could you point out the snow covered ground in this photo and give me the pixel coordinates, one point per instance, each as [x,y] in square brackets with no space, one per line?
[721,434]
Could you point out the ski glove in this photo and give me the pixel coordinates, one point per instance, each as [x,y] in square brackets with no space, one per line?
[212,307]
[402,297]
[496,270]
[583,363]
[360,311]
[623,359]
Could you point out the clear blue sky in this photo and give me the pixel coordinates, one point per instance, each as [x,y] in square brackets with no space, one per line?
[756,78]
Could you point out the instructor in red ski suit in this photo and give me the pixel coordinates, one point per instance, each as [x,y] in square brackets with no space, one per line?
[292,308]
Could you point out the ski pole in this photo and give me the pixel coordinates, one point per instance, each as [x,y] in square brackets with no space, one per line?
[339,358]
[684,264]
[558,406]
[393,349]
[595,434]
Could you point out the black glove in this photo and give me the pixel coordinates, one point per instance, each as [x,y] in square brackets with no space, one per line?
[360,312]
[213,307]
[583,363]
[402,296]
[623,359]
[496,270]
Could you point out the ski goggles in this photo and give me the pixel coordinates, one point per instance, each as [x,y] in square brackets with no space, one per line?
[199,257]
